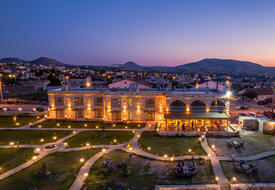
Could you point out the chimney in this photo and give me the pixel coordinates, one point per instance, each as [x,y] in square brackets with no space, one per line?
[207,88]
[217,85]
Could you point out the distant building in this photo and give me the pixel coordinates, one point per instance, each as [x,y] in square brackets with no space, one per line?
[80,83]
[212,85]
[262,93]
[125,83]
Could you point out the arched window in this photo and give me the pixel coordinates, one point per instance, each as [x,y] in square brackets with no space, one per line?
[197,106]
[177,106]
[217,106]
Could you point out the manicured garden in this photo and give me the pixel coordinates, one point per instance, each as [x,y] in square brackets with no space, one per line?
[265,167]
[32,137]
[11,158]
[170,146]
[16,121]
[88,124]
[56,172]
[253,144]
[100,137]
[141,173]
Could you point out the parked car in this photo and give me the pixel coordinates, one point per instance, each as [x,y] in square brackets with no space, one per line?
[51,146]
[262,102]
[242,114]
[252,114]
[40,109]
[4,109]
[244,107]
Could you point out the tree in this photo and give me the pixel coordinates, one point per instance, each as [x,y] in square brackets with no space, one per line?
[54,82]
[250,94]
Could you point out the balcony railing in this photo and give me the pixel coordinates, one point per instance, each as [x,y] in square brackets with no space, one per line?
[197,109]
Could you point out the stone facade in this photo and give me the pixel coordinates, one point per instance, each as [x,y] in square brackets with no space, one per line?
[124,105]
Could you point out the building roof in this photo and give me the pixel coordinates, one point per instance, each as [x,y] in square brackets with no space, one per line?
[260,91]
[190,115]
[142,82]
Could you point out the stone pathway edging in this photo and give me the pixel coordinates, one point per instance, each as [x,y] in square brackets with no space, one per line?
[248,158]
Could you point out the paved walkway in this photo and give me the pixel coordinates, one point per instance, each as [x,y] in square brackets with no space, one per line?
[43,152]
[85,169]
[135,149]
[220,177]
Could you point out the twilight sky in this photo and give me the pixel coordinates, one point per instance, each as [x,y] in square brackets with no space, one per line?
[149,32]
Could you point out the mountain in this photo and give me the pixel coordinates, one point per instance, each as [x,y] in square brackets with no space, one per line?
[39,61]
[221,66]
[209,65]
[11,60]
[131,65]
[46,61]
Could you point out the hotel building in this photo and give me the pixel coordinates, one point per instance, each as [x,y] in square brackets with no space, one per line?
[179,109]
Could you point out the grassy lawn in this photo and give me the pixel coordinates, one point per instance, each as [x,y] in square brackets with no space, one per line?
[30,136]
[265,174]
[11,158]
[100,137]
[19,121]
[145,173]
[89,124]
[170,145]
[64,165]
[253,144]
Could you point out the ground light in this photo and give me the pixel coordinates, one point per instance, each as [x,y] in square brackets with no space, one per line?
[41,140]
[234,179]
[54,138]
[104,149]
[11,143]
[115,140]
[87,144]
[217,178]
[82,160]
[165,156]
[213,146]
[86,174]
[149,148]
